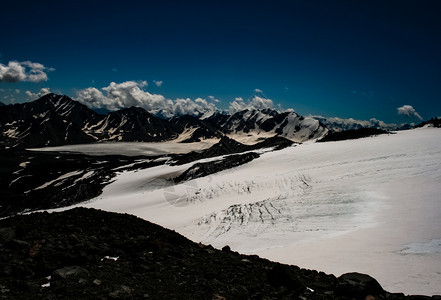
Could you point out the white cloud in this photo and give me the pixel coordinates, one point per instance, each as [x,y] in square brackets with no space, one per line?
[132,93]
[158,83]
[24,71]
[13,72]
[255,103]
[237,105]
[34,96]
[409,111]
[212,98]
[17,91]
[190,107]
[258,91]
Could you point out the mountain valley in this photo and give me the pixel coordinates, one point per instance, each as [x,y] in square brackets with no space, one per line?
[255,180]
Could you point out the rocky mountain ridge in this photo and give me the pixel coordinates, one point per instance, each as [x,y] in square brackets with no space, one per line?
[55,120]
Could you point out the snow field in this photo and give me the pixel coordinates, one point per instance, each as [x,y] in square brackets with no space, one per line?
[133,148]
[371,205]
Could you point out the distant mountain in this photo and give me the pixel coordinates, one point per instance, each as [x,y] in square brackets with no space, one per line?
[255,125]
[49,121]
[131,125]
[193,129]
[351,134]
[339,124]
[2,104]
[430,123]
[55,120]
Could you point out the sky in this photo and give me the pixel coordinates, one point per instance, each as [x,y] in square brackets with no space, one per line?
[347,59]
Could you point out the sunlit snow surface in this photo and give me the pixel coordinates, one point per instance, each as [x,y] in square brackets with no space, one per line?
[371,205]
[132,148]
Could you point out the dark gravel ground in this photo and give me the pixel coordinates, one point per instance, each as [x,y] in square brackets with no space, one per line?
[91,254]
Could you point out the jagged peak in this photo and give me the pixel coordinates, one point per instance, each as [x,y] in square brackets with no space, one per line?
[254,111]
[55,100]
[184,118]
[51,97]
[210,114]
[132,110]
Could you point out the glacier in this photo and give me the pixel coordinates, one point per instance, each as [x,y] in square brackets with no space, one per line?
[371,205]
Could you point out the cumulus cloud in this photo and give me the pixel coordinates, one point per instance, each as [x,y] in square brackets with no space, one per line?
[119,95]
[16,71]
[255,103]
[34,96]
[132,93]
[188,106]
[408,110]
[158,83]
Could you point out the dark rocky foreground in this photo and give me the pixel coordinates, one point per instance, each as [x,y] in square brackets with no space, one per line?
[91,254]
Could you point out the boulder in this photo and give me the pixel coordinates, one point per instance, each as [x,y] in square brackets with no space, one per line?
[357,285]
[69,277]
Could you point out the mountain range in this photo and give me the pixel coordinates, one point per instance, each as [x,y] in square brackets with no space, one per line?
[55,120]
[339,124]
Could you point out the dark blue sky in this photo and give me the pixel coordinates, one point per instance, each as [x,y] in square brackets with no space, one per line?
[359,59]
